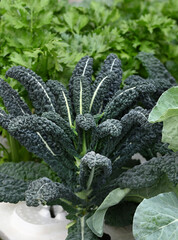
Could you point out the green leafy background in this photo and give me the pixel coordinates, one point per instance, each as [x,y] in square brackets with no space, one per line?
[50,36]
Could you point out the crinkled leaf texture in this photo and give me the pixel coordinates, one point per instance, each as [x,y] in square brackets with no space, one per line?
[42,98]
[157,218]
[97,167]
[147,180]
[80,230]
[96,221]
[11,189]
[147,174]
[16,177]
[44,191]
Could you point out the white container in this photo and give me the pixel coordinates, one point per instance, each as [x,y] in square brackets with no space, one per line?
[19,222]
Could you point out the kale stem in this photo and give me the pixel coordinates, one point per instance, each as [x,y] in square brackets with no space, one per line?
[77,161]
[90,180]
[14,149]
[4,149]
[84,146]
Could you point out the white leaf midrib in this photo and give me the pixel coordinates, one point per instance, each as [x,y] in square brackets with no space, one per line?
[68,110]
[85,67]
[38,83]
[81,97]
[112,64]
[46,144]
[95,93]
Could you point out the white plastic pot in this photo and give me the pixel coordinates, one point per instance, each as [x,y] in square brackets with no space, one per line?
[19,222]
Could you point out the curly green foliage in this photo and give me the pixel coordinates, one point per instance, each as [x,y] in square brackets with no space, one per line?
[147,174]
[81,94]
[41,97]
[13,103]
[107,82]
[59,121]
[45,191]
[41,33]
[27,171]
[83,74]
[5,119]
[85,121]
[88,135]
[12,190]
[16,177]
[97,167]
[155,69]
[63,101]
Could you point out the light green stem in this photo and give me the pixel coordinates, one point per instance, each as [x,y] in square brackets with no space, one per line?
[84,146]
[14,146]
[90,180]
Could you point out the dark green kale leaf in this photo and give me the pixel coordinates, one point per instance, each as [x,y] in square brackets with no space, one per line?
[46,130]
[12,101]
[27,171]
[147,174]
[156,70]
[82,69]
[16,177]
[5,119]
[44,191]
[11,189]
[42,99]
[110,127]
[101,87]
[85,121]
[81,93]
[59,121]
[63,102]
[94,170]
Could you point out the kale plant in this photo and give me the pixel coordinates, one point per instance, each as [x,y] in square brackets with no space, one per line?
[87,136]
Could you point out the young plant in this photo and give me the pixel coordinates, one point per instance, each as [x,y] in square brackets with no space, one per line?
[87,135]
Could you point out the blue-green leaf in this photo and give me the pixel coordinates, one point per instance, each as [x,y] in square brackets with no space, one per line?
[157,218]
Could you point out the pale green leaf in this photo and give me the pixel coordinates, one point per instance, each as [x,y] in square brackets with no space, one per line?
[170,132]
[96,221]
[39,5]
[167,106]
[20,59]
[157,218]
